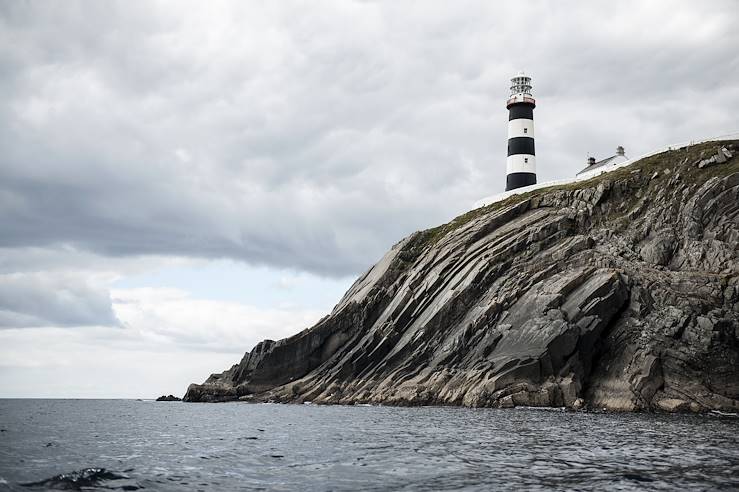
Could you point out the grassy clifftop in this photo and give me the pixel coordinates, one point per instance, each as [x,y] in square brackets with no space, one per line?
[659,163]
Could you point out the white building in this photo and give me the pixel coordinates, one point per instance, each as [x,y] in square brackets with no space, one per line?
[606,163]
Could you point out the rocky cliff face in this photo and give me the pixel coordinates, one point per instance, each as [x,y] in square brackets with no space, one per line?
[621,292]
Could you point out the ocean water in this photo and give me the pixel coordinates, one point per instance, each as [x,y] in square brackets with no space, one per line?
[144,445]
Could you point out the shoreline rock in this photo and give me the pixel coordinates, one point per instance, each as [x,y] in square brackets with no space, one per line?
[168,398]
[617,293]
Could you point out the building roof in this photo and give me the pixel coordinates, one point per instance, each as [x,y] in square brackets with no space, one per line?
[608,161]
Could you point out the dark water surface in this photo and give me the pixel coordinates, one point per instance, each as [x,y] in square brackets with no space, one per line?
[230,446]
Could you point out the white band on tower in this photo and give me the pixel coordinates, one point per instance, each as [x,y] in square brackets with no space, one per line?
[521,163]
[521,127]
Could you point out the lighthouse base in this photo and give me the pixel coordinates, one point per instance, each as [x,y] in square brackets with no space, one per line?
[519,180]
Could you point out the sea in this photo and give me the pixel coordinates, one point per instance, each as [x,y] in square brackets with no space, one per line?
[147,445]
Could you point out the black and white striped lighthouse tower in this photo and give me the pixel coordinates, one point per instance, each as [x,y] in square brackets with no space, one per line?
[521,161]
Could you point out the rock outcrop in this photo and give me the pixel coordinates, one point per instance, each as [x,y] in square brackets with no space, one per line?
[621,292]
[169,398]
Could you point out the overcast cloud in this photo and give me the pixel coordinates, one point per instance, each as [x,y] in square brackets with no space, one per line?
[45,299]
[306,137]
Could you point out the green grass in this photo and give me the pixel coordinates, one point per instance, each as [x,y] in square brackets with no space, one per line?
[681,160]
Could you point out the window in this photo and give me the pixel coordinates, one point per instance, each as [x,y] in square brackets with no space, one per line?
[526,130]
[525,160]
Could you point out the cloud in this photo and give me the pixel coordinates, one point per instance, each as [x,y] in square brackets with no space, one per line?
[167,339]
[59,299]
[314,138]
[174,317]
[75,364]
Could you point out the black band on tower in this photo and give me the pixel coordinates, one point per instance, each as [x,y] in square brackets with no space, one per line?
[521,110]
[521,145]
[517,180]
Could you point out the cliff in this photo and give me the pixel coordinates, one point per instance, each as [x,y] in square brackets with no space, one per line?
[621,292]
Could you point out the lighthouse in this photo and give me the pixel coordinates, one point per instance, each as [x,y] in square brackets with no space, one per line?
[521,160]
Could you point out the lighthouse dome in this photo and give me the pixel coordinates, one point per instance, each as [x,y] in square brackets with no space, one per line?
[521,84]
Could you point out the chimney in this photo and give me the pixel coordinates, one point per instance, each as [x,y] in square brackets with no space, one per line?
[619,150]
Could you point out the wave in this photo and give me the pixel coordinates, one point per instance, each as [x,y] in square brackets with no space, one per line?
[87,477]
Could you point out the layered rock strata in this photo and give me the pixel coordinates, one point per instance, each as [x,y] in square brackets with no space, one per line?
[621,292]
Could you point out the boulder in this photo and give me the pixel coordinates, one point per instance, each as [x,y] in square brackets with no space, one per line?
[673,405]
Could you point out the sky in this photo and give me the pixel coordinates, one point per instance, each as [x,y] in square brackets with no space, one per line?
[180,180]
